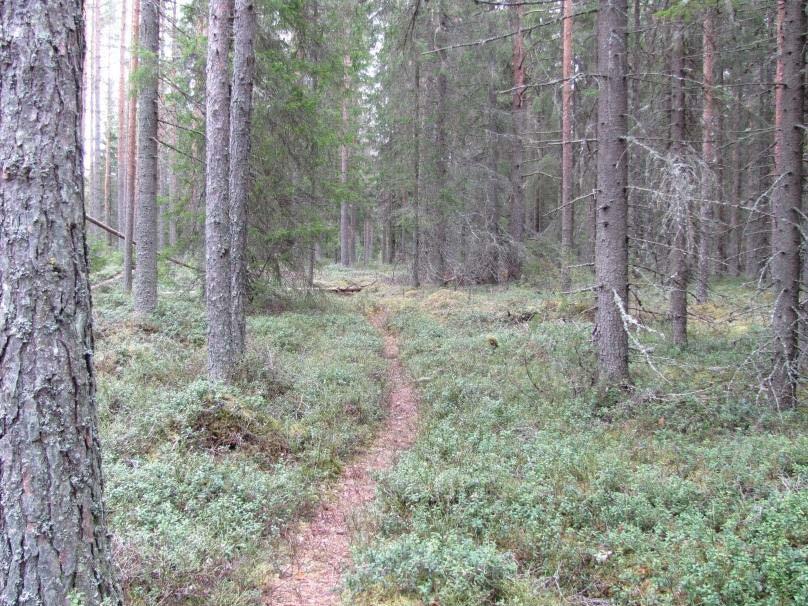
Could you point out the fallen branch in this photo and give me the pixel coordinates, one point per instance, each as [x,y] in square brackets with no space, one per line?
[115,232]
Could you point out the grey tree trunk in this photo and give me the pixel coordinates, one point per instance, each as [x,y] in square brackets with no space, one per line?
[567,206]
[98,199]
[736,191]
[345,232]
[441,145]
[493,209]
[416,183]
[680,211]
[173,185]
[709,133]
[611,245]
[786,199]
[217,206]
[120,205]
[53,537]
[131,144]
[147,169]
[518,121]
[244,26]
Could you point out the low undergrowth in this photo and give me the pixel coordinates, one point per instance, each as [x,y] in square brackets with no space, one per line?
[201,479]
[529,486]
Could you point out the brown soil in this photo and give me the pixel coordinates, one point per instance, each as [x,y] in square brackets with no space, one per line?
[321,548]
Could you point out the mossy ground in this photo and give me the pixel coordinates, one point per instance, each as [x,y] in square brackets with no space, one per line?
[201,479]
[527,485]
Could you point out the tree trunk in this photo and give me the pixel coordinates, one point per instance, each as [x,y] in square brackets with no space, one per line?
[217,207]
[518,116]
[120,206]
[146,272]
[709,134]
[345,234]
[416,135]
[786,199]
[680,210]
[108,208]
[53,536]
[442,146]
[173,182]
[567,207]
[736,191]
[493,208]
[98,200]
[131,139]
[244,26]
[611,246]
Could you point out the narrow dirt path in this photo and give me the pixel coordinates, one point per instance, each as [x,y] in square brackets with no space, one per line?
[321,547]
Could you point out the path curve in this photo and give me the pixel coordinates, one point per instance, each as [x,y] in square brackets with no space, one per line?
[321,547]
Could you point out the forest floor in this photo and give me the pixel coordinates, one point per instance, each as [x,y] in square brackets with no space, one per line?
[524,484]
[320,547]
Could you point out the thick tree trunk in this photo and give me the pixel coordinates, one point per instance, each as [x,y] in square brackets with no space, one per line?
[567,206]
[709,133]
[53,537]
[680,211]
[518,117]
[131,141]
[147,169]
[217,206]
[786,199]
[244,26]
[611,246]
[123,147]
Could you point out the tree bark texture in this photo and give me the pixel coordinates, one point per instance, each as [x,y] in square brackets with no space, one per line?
[53,538]
[122,127]
[680,210]
[518,120]
[567,206]
[244,27]
[709,132]
[786,199]
[131,143]
[147,169]
[217,206]
[345,232]
[611,246]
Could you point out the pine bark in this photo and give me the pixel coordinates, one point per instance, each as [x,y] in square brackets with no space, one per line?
[98,199]
[123,147]
[345,232]
[244,27]
[518,119]
[567,206]
[611,246]
[217,206]
[131,143]
[441,146]
[680,211]
[53,538]
[786,199]
[416,182]
[709,128]
[147,168]
[493,209]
